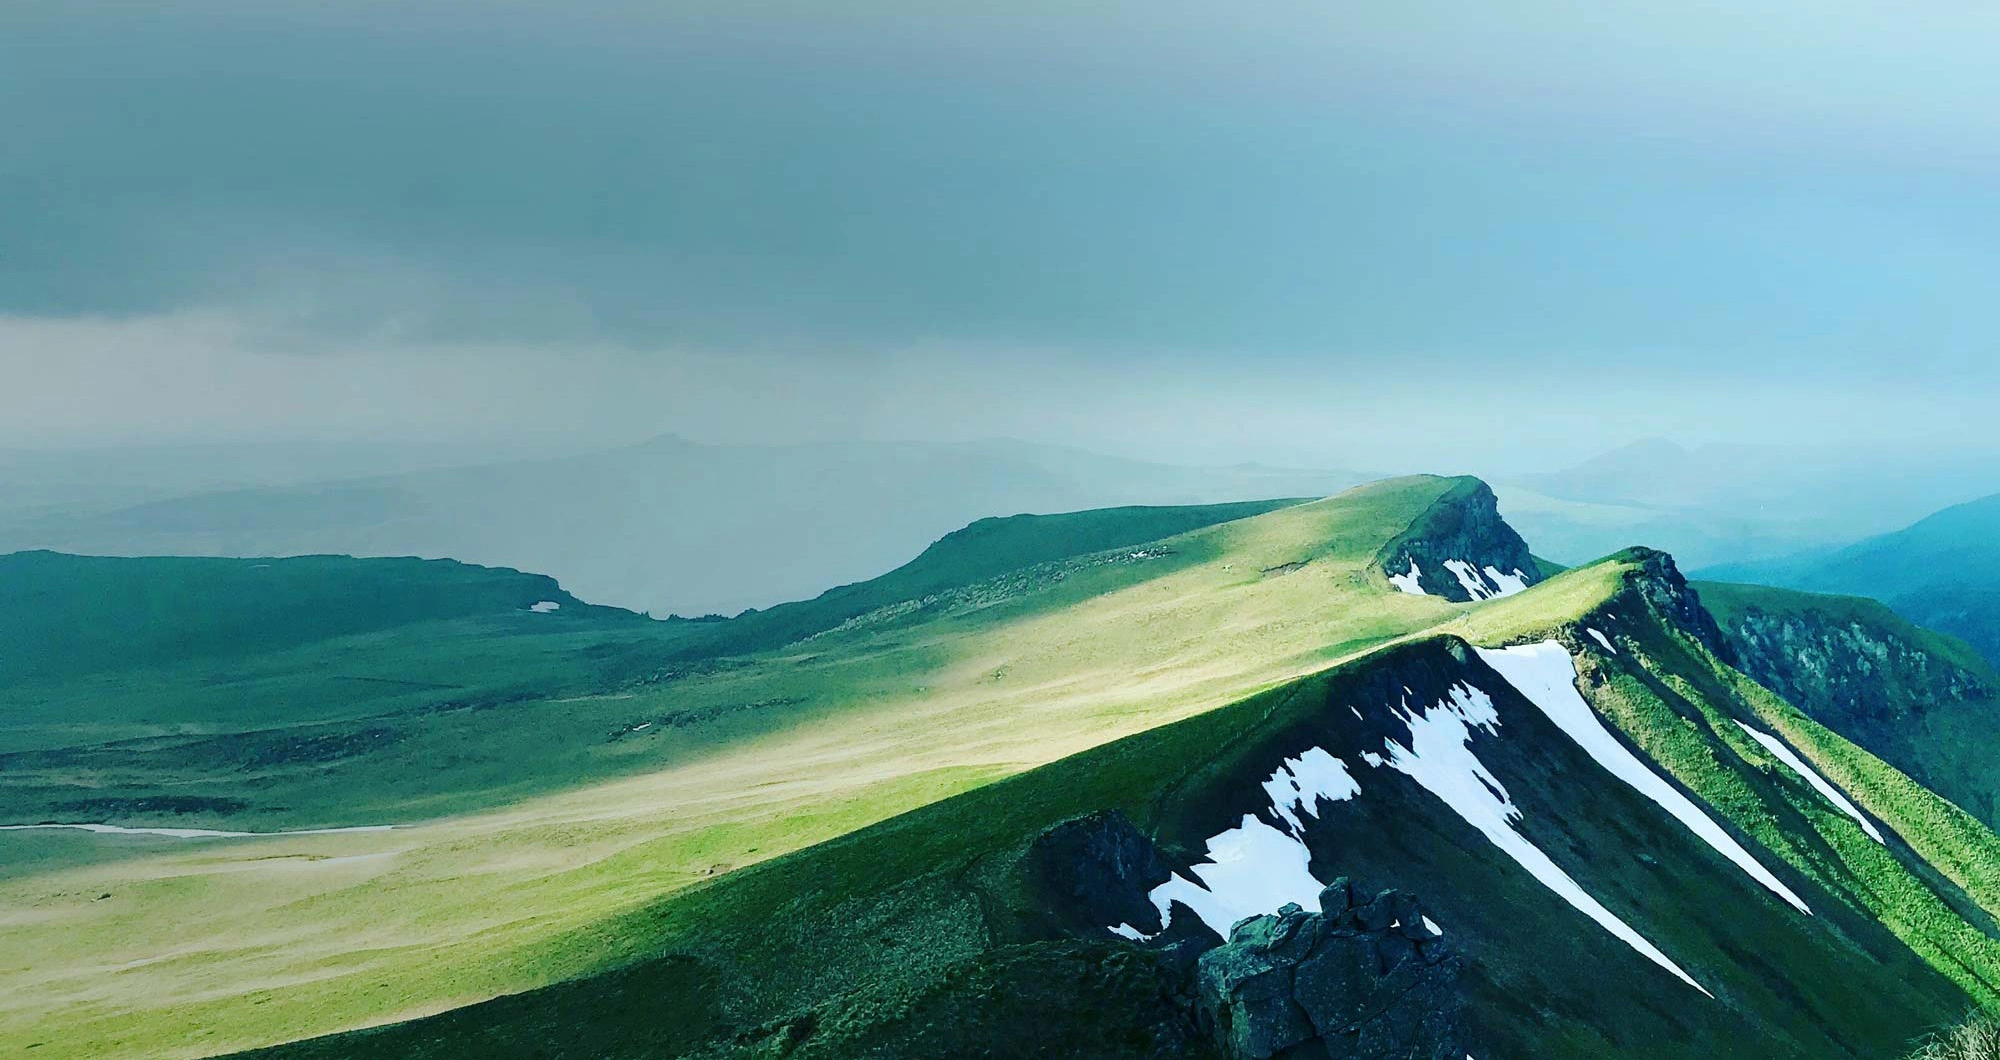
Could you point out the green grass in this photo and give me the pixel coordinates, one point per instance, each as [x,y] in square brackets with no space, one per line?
[1678,703]
[324,720]
[63,616]
[1924,701]
[740,759]
[863,936]
[871,771]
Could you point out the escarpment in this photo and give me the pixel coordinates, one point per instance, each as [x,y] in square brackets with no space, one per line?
[1460,549]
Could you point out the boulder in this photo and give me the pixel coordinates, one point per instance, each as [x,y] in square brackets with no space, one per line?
[1356,981]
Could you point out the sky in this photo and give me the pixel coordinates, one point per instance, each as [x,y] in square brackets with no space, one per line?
[1330,234]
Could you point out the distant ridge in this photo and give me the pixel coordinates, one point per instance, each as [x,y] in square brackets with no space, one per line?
[666,525]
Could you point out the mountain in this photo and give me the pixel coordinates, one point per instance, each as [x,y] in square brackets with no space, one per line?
[50,481]
[1434,847]
[1717,504]
[1924,701]
[667,526]
[64,615]
[321,691]
[1270,785]
[1942,572]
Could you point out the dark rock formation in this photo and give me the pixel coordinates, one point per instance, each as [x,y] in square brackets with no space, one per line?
[1902,692]
[1659,585]
[1872,674]
[1359,980]
[1363,978]
[1463,525]
[1095,871]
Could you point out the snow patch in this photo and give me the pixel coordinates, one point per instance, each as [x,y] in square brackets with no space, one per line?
[1129,932]
[1439,757]
[1432,926]
[1301,782]
[544,607]
[1509,584]
[1254,868]
[1602,640]
[1487,585]
[1468,578]
[1546,676]
[1409,582]
[1798,765]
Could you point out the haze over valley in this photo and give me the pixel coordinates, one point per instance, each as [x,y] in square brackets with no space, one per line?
[890,531]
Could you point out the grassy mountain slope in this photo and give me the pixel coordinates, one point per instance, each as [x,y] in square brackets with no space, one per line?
[1941,572]
[327,691]
[753,890]
[715,763]
[980,552]
[1924,701]
[666,526]
[931,934]
[65,616]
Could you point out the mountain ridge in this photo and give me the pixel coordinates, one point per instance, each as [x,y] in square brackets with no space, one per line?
[883,903]
[665,525]
[906,922]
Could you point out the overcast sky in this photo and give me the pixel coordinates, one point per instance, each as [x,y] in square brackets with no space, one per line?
[1379,235]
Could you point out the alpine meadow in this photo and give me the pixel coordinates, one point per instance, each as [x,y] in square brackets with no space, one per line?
[787,531]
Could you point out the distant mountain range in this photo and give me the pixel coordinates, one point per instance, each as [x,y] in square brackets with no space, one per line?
[675,526]
[1942,572]
[667,526]
[1719,504]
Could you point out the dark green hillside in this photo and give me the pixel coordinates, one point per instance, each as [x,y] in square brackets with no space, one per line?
[936,933]
[835,846]
[1942,572]
[1924,701]
[984,550]
[65,616]
[326,690]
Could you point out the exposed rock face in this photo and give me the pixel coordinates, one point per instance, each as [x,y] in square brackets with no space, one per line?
[1095,872]
[1883,684]
[1360,980]
[1364,978]
[1868,674]
[1463,529]
[1660,584]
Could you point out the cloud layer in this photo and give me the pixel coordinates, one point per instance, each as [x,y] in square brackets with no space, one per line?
[1211,199]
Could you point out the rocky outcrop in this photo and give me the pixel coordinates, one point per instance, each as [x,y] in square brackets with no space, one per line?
[1659,583]
[1359,980]
[1460,549]
[1364,978]
[1654,590]
[1912,697]
[1095,871]
[1866,672]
